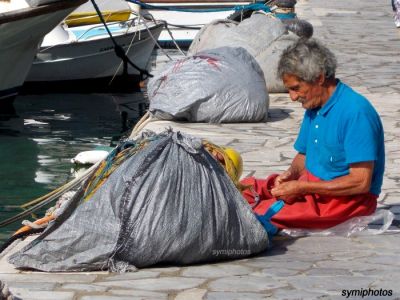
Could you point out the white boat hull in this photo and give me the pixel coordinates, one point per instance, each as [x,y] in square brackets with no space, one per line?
[19,41]
[185,34]
[196,20]
[92,59]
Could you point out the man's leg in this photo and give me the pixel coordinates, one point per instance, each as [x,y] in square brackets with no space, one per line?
[309,211]
[257,189]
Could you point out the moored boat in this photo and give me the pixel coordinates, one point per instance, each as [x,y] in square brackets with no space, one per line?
[78,58]
[186,17]
[23,24]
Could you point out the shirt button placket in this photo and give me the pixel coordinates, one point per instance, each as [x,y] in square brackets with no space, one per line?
[316,127]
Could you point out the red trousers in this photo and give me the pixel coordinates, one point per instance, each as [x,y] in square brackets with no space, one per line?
[311,211]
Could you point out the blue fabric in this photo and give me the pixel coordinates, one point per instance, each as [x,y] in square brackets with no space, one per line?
[266,218]
[284,16]
[346,130]
[254,6]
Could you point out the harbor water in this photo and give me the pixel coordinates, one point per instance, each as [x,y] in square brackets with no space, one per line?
[40,134]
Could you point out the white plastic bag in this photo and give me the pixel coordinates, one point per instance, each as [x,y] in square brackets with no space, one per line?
[354,227]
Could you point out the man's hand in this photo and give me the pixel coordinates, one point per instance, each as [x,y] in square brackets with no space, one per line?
[358,181]
[285,176]
[294,172]
[289,191]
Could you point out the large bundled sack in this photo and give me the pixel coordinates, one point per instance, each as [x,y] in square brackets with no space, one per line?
[263,36]
[269,59]
[223,85]
[159,199]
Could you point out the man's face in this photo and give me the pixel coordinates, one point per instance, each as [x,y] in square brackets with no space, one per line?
[308,94]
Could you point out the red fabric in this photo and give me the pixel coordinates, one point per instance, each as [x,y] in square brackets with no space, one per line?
[310,211]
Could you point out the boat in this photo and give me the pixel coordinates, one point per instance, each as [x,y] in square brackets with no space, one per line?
[184,18]
[112,11]
[82,58]
[23,24]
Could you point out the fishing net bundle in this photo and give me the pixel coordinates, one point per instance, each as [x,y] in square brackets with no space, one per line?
[262,35]
[223,85]
[162,198]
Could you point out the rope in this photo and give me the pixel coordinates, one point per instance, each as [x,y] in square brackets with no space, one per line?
[193,26]
[146,119]
[140,122]
[150,17]
[173,39]
[94,177]
[15,237]
[61,190]
[48,198]
[119,51]
[127,50]
[154,39]
[113,161]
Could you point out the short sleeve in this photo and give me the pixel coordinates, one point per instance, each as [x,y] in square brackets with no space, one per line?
[301,142]
[362,136]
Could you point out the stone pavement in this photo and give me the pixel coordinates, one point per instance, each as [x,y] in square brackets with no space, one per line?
[364,38]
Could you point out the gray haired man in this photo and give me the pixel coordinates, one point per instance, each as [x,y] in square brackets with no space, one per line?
[338,170]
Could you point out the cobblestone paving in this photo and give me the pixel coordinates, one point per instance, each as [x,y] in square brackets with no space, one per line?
[364,38]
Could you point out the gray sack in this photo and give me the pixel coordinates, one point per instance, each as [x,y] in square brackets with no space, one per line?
[263,36]
[171,202]
[223,85]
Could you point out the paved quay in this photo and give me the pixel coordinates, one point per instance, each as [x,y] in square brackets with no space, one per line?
[363,36]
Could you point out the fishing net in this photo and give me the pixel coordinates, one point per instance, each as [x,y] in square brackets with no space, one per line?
[263,36]
[162,198]
[223,85]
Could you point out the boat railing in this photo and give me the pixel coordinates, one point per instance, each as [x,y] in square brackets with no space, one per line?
[124,28]
[128,24]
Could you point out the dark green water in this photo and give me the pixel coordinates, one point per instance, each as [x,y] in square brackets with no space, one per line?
[41,133]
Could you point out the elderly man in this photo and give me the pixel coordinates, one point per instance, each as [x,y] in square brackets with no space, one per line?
[338,170]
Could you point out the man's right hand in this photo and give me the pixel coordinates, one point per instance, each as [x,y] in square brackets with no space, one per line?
[285,176]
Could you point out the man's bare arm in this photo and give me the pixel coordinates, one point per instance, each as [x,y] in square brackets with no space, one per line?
[358,181]
[294,171]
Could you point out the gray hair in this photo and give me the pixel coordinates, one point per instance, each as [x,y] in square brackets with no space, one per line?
[307,59]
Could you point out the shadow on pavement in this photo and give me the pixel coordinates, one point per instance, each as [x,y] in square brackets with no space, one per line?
[278,114]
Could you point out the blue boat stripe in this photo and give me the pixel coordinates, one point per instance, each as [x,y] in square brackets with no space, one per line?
[254,6]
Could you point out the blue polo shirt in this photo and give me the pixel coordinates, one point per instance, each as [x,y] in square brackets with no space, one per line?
[345,130]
